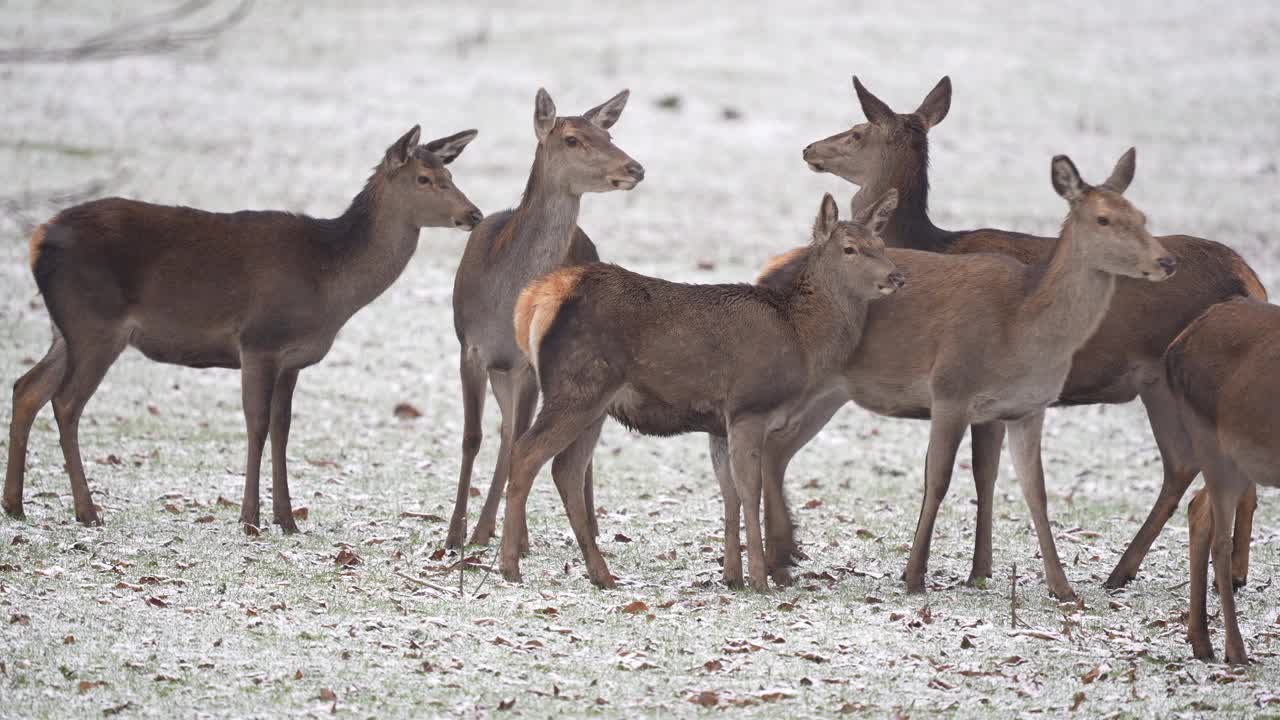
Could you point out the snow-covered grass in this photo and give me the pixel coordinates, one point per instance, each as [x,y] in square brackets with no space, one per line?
[170,610]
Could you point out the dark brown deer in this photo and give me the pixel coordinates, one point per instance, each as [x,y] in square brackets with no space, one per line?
[1121,362]
[982,338]
[663,358]
[575,155]
[265,292]
[1222,372]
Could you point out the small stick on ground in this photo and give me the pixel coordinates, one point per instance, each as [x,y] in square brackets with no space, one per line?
[1013,599]
[422,583]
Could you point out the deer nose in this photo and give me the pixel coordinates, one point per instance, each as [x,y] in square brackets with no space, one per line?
[1168,263]
[635,170]
[897,278]
[808,149]
[475,216]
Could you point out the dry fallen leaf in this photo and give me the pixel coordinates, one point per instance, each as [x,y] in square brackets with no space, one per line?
[301,513]
[87,685]
[506,704]
[635,606]
[405,411]
[328,695]
[706,698]
[346,558]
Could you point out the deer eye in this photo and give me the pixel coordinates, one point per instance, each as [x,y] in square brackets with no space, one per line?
[424,180]
[856,136]
[571,141]
[1102,220]
[850,250]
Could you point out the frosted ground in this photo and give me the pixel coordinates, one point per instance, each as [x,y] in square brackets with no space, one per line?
[170,610]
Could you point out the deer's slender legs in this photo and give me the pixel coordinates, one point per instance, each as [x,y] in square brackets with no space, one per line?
[1024,443]
[945,433]
[281,417]
[471,368]
[31,393]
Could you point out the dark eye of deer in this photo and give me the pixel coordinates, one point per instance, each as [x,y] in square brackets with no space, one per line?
[850,251]
[1103,221]
[855,137]
[571,141]
[424,180]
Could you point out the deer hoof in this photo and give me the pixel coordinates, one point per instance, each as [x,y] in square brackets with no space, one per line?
[1118,579]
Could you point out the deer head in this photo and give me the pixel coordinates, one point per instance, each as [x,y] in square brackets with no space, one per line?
[415,181]
[577,153]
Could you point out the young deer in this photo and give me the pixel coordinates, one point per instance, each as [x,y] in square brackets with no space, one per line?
[1120,362]
[981,339]
[1222,371]
[265,292]
[662,358]
[575,155]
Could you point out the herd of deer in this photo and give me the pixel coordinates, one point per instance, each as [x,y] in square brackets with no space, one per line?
[981,329]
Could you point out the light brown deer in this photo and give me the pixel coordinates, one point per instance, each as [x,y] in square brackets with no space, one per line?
[1222,371]
[662,358]
[1122,361]
[265,292]
[575,155]
[979,339]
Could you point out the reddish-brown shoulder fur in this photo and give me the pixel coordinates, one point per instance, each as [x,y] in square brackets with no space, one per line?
[538,304]
[780,272]
[1248,278]
[33,247]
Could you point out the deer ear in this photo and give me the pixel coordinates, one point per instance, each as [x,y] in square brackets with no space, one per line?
[607,113]
[879,214]
[1122,175]
[399,152]
[936,103]
[544,115]
[449,148]
[1066,179]
[828,216]
[872,106]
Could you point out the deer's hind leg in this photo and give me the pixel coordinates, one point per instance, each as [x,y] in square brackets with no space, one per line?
[569,472]
[89,356]
[31,393]
[987,441]
[281,418]
[719,451]
[471,369]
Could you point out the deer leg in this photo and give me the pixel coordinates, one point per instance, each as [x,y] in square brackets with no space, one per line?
[473,386]
[556,427]
[746,439]
[1225,491]
[1024,442]
[503,392]
[569,471]
[524,393]
[1200,532]
[257,382]
[719,449]
[945,433]
[780,546]
[281,417]
[87,363]
[31,392]
[987,440]
[1242,536]
[1177,458]
[589,499]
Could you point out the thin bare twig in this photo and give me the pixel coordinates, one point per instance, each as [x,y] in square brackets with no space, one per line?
[423,583]
[148,35]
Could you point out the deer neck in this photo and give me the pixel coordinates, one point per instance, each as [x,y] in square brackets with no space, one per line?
[377,244]
[1067,296]
[542,226]
[910,226]
[828,319]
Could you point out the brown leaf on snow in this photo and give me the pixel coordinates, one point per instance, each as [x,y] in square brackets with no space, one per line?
[811,657]
[1098,672]
[117,709]
[706,698]
[328,695]
[108,460]
[547,611]
[301,513]
[438,555]
[621,538]
[205,519]
[812,504]
[405,411]
[69,640]
[473,492]
[635,606]
[1075,701]
[346,558]
[223,502]
[87,685]
[422,516]
[506,704]
[713,666]
[154,601]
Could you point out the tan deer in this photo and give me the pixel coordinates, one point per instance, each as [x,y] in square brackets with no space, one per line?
[982,338]
[575,155]
[662,358]
[1122,361]
[265,292]
[1222,371]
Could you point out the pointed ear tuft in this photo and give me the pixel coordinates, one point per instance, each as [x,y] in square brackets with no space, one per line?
[401,150]
[882,212]
[828,216]
[1066,179]
[936,103]
[1122,174]
[544,115]
[449,148]
[872,106]
[607,113]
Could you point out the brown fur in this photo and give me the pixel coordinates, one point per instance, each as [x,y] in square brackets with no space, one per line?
[575,156]
[33,246]
[1221,371]
[779,270]
[265,292]
[538,304]
[1122,361]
